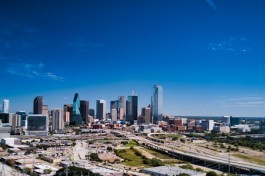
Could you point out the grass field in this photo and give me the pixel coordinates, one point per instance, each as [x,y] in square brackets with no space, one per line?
[250,159]
[157,154]
[132,159]
[132,143]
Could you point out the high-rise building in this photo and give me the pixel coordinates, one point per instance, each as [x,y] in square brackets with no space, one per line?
[84,110]
[23,118]
[113,105]
[114,115]
[45,110]
[101,109]
[6,118]
[234,121]
[157,103]
[226,120]
[92,112]
[37,105]
[121,103]
[146,114]
[68,111]
[207,125]
[16,124]
[57,119]
[5,108]
[38,125]
[132,109]
[76,118]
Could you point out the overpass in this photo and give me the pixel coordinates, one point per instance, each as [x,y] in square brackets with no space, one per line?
[215,162]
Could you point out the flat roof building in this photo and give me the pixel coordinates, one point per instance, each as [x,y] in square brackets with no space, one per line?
[171,171]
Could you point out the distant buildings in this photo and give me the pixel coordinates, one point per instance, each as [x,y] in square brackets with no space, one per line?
[234,121]
[132,109]
[76,118]
[226,120]
[4,131]
[207,125]
[37,105]
[38,125]
[5,118]
[5,107]
[68,110]
[57,120]
[114,115]
[92,112]
[146,115]
[157,103]
[23,118]
[101,109]
[121,106]
[84,110]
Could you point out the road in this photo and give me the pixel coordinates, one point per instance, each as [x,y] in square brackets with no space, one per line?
[6,170]
[197,155]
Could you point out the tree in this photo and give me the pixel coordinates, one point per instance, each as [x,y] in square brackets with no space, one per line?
[187,166]
[175,138]
[47,171]
[109,148]
[211,173]
[182,174]
[27,171]
[94,157]
[156,162]
[72,171]
[11,162]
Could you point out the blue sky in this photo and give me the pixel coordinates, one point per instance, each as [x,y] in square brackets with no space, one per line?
[207,54]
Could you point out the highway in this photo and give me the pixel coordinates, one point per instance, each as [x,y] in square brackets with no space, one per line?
[209,158]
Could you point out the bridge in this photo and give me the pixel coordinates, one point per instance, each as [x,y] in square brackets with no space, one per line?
[215,162]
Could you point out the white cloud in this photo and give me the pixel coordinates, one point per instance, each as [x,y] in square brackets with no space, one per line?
[247,101]
[230,45]
[30,70]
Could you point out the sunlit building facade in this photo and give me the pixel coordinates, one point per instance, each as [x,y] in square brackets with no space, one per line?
[5,107]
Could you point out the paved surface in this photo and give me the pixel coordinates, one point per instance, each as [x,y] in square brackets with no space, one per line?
[6,170]
[215,159]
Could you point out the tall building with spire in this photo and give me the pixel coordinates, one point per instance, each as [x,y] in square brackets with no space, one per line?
[5,107]
[157,103]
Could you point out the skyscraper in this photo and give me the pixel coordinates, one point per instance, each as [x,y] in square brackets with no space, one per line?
[57,120]
[146,114]
[121,103]
[157,103]
[101,109]
[23,117]
[68,111]
[5,108]
[37,105]
[84,110]
[132,109]
[76,118]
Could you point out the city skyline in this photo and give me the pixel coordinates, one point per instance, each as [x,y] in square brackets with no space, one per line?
[207,55]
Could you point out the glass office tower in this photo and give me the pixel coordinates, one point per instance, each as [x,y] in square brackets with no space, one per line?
[157,103]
